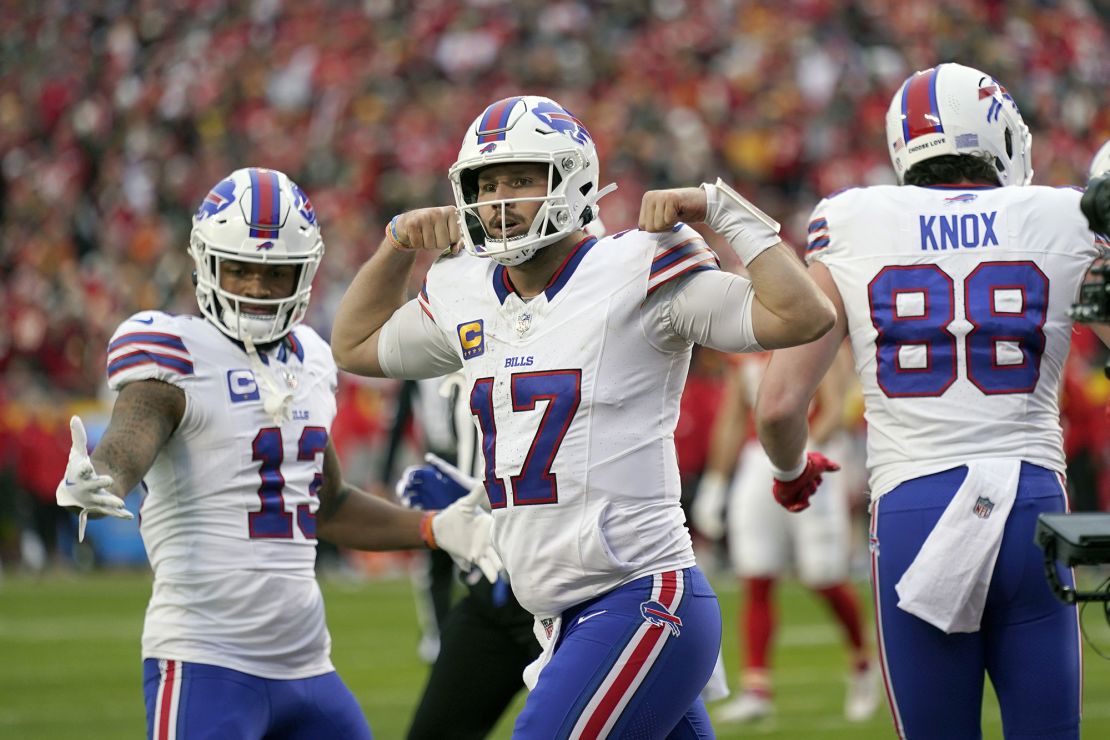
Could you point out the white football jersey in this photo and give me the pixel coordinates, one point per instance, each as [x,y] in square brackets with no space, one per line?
[576,393]
[956,300]
[228,516]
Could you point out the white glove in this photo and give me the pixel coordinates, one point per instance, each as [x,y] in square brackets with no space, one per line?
[83,488]
[464,531]
[707,513]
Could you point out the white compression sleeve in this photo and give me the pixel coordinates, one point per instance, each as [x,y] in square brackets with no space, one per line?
[412,346]
[715,309]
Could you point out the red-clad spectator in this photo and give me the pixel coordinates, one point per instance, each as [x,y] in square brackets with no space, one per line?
[697,410]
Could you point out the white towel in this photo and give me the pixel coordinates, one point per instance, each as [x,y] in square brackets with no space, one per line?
[717,686]
[947,583]
[546,630]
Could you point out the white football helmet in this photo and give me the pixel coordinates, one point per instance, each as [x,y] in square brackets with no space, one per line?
[528,129]
[953,109]
[1101,163]
[255,215]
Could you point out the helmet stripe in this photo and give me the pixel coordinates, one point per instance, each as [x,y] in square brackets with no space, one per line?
[920,115]
[495,119]
[265,203]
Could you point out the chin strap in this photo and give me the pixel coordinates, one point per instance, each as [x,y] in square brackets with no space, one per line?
[277,403]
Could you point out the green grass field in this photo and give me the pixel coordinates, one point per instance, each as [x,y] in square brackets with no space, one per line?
[71,669]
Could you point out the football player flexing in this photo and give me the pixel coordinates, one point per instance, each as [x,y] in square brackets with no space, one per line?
[953,289]
[575,351]
[225,419]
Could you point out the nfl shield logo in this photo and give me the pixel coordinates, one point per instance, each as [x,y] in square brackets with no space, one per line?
[983,507]
[523,323]
[548,626]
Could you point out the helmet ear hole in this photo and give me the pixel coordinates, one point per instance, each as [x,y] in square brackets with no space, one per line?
[1009,138]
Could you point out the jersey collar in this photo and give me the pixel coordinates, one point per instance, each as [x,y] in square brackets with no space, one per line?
[503,285]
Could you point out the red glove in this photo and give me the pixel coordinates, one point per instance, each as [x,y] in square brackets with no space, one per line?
[794,494]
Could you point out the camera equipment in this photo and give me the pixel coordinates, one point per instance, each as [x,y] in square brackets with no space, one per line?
[1074,539]
[1094,296]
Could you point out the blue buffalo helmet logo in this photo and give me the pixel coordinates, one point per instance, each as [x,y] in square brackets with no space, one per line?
[218,198]
[562,120]
[302,203]
[659,615]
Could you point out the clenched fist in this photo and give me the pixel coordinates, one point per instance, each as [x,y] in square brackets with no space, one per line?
[428,228]
[662,209]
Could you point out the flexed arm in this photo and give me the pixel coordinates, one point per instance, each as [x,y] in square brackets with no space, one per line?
[379,288]
[788,308]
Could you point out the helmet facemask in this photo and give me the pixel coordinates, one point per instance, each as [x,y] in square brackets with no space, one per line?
[552,221]
[226,309]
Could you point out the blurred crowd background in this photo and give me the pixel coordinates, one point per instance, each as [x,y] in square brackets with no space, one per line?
[116,117]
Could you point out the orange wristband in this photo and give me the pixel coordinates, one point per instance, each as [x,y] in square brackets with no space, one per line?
[426,532]
[391,235]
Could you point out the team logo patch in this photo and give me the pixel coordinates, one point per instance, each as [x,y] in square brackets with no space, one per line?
[218,198]
[997,94]
[488,148]
[983,507]
[562,120]
[241,386]
[659,615]
[472,339]
[302,203]
[961,198]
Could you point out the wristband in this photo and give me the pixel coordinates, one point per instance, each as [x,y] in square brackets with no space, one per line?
[749,231]
[790,474]
[426,532]
[391,236]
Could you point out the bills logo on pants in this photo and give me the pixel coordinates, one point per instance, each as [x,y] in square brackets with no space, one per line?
[620,667]
[656,613]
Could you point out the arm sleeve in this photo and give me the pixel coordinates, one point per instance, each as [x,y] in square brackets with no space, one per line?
[411,345]
[711,308]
